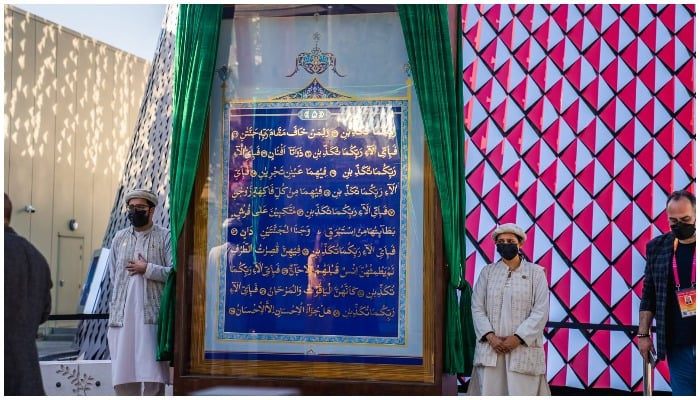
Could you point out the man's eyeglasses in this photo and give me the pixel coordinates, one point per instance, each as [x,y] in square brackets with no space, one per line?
[509,241]
[139,207]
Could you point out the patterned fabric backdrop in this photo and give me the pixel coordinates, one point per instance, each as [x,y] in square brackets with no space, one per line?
[579,122]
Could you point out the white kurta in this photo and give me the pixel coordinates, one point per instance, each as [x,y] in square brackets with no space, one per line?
[500,380]
[133,347]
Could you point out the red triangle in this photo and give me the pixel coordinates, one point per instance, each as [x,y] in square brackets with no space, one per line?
[548,177]
[606,157]
[563,242]
[645,200]
[590,93]
[468,110]
[493,15]
[491,199]
[488,54]
[595,17]
[625,221]
[532,158]
[623,266]
[499,114]
[528,248]
[603,286]
[685,159]
[551,135]
[471,223]
[625,136]
[484,95]
[473,34]
[566,199]
[582,264]
[621,364]
[509,216]
[686,35]
[638,288]
[603,379]
[584,220]
[580,361]
[664,178]
[576,35]
[586,178]
[648,75]
[470,268]
[522,55]
[668,17]
[539,74]
[625,179]
[560,378]
[512,177]
[652,7]
[612,35]
[568,156]
[541,35]
[557,54]
[582,310]
[496,157]
[686,75]
[469,75]
[667,55]
[480,137]
[628,94]
[601,340]
[593,55]
[546,262]
[646,115]
[546,221]
[519,94]
[555,95]
[665,138]
[661,223]
[571,115]
[573,74]
[645,158]
[608,113]
[587,136]
[515,137]
[648,35]
[536,112]
[604,242]
[605,200]
[506,34]
[629,54]
[641,243]
[609,74]
[525,16]
[476,179]
[666,94]
[631,17]
[560,16]
[529,199]
[685,116]
[623,310]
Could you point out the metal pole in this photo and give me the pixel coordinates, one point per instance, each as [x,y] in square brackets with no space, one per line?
[648,375]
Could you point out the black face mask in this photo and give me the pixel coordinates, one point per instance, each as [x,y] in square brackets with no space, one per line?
[682,230]
[507,250]
[138,218]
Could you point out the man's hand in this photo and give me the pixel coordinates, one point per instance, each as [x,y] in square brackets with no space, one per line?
[137,266]
[511,342]
[645,346]
[497,344]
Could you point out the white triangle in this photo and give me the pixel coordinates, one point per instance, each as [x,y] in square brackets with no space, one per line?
[662,34]
[645,17]
[572,379]
[596,364]
[661,74]
[472,14]
[625,35]
[589,34]
[640,221]
[491,179]
[537,53]
[510,156]
[555,362]
[573,16]
[641,179]
[520,34]
[513,113]
[486,223]
[619,287]
[564,177]
[624,74]
[581,198]
[568,94]
[643,95]
[552,74]
[600,220]
[622,158]
[616,382]
[559,268]
[641,136]
[660,383]
[638,266]
[473,157]
[486,34]
[516,74]
[471,200]
[566,136]
[498,94]
[541,243]
[527,178]
[539,16]
[609,16]
[601,177]
[583,156]
[579,242]
[661,115]
[622,114]
[547,157]
[681,137]
[571,53]
[618,341]
[576,341]
[680,177]
[544,198]
[506,200]
[483,74]
[478,112]
[603,136]
[493,136]
[681,52]
[682,17]
[598,263]
[585,116]
[554,36]
[620,200]
[502,53]
[681,94]
[659,200]
[532,92]
[505,17]
[529,138]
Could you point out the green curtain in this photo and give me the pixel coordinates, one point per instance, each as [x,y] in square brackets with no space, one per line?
[427,36]
[197,39]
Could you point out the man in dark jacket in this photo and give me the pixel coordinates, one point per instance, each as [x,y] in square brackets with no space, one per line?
[668,295]
[27,305]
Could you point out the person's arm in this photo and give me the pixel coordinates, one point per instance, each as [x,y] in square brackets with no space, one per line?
[530,330]
[159,272]
[647,305]
[482,325]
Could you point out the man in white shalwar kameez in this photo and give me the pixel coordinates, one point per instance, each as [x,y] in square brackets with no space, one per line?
[139,262]
[510,308]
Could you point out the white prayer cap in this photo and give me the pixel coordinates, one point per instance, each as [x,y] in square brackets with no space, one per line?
[509,228]
[142,194]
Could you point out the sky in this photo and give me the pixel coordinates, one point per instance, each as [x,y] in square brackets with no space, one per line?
[134,28]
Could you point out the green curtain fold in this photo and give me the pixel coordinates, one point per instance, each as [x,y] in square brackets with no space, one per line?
[427,37]
[196,39]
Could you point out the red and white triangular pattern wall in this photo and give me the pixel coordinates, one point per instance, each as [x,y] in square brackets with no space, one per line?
[579,121]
